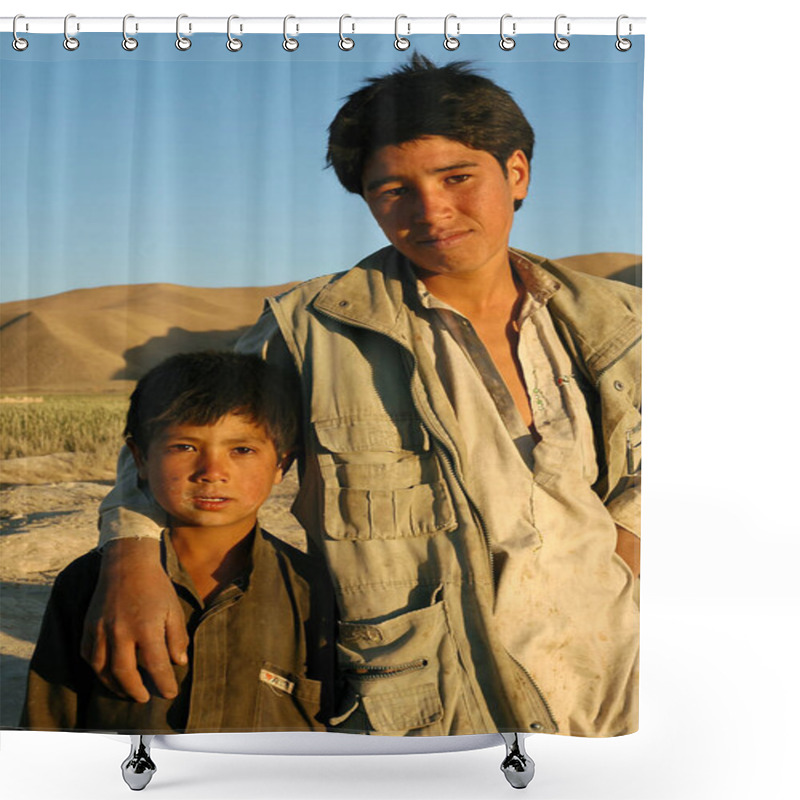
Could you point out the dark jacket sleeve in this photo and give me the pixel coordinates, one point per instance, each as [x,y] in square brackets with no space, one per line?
[59,681]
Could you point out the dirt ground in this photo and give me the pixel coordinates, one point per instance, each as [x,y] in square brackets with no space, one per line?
[46,523]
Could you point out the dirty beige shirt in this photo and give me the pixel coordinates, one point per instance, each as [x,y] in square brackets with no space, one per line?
[566,605]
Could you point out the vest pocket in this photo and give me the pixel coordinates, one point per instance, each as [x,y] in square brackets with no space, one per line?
[381,481]
[387,513]
[392,670]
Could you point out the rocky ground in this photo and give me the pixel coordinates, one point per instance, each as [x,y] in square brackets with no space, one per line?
[44,524]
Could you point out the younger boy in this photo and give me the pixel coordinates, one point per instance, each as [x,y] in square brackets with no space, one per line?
[211,434]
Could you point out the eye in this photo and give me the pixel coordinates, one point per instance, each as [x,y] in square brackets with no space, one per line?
[457,178]
[243,450]
[180,447]
[395,191]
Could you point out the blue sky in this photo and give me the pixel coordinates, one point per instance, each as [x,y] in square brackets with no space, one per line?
[206,167]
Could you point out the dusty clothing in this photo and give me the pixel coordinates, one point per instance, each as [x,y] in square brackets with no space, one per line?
[258,659]
[553,541]
[390,495]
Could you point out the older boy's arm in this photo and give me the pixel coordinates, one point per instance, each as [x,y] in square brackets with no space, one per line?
[134,620]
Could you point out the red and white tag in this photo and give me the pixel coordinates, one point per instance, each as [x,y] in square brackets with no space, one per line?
[277,681]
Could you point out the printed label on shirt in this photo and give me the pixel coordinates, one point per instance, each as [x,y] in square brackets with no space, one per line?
[278,681]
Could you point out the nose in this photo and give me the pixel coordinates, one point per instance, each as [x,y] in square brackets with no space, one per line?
[211,468]
[430,203]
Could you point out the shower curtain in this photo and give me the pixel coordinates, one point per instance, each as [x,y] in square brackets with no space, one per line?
[484,566]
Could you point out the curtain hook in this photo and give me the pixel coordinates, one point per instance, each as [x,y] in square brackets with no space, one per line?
[560,43]
[506,42]
[70,42]
[344,42]
[451,42]
[401,43]
[233,44]
[181,42]
[19,44]
[128,42]
[289,44]
[623,44]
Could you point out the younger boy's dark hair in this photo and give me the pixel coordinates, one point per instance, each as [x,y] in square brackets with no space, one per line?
[421,99]
[201,388]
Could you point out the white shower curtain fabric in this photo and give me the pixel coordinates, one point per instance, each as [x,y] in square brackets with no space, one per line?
[463,555]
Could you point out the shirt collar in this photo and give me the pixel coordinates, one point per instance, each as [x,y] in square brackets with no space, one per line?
[178,575]
[538,283]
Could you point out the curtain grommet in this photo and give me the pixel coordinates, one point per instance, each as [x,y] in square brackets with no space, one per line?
[181,42]
[290,44]
[70,42]
[507,42]
[400,42]
[561,43]
[622,44]
[233,44]
[18,43]
[451,42]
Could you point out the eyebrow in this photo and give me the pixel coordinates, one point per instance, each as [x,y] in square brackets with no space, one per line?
[233,440]
[392,178]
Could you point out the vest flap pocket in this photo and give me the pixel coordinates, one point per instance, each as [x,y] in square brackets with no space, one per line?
[394,668]
[401,711]
[363,514]
[353,435]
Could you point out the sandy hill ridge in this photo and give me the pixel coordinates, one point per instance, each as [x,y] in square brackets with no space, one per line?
[99,340]
[91,340]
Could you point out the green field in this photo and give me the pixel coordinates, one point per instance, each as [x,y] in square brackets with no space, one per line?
[42,425]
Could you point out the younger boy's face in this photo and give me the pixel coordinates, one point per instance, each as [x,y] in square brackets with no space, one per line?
[212,476]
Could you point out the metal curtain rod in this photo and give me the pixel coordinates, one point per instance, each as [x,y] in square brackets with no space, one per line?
[407,25]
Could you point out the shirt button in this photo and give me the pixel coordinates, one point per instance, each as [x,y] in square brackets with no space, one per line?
[344,304]
[536,726]
[619,385]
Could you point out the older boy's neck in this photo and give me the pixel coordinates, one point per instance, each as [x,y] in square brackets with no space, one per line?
[482,293]
[213,558]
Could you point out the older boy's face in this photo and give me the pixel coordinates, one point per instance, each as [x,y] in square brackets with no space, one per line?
[446,207]
[212,476]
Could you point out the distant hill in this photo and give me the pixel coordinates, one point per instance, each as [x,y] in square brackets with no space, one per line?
[103,339]
[96,340]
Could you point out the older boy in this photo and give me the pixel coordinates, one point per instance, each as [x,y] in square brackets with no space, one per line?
[471,438]
[211,434]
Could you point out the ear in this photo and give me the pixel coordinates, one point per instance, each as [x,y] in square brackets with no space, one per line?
[139,457]
[518,170]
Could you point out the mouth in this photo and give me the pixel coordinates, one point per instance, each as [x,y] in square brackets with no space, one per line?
[204,503]
[443,240]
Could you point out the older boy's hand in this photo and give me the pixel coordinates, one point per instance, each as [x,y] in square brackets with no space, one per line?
[134,621]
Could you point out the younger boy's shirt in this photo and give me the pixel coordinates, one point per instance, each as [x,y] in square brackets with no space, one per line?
[260,659]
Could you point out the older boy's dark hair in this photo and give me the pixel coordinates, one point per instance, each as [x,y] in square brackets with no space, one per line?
[201,388]
[421,99]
